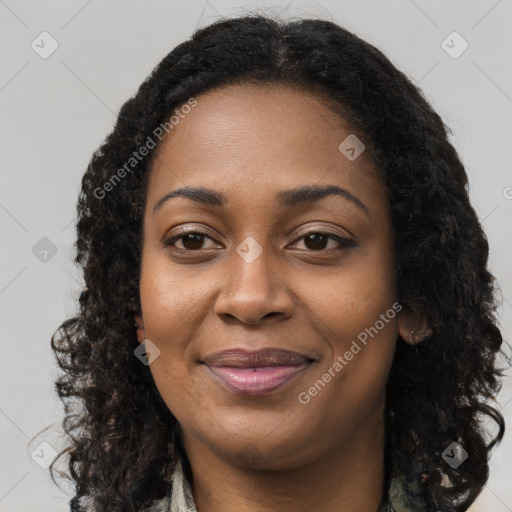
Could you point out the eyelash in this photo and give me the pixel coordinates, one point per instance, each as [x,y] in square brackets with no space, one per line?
[343,242]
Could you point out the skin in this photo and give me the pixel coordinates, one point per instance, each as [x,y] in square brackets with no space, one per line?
[271,452]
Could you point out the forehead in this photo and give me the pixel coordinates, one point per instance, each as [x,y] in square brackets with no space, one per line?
[256,140]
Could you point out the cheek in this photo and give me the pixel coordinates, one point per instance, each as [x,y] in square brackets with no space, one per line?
[349,386]
[172,304]
[356,312]
[361,331]
[350,301]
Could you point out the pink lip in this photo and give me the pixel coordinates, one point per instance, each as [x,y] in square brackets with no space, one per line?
[255,380]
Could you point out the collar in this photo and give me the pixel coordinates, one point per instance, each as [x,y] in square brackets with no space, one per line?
[404,495]
[182,499]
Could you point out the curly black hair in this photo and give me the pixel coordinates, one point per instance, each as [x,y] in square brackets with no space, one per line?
[119,430]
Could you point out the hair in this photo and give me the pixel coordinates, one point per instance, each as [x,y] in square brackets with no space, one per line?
[118,428]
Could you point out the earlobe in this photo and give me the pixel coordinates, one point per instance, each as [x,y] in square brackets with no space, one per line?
[413,328]
[139,325]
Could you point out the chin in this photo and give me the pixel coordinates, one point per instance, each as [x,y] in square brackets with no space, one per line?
[265,451]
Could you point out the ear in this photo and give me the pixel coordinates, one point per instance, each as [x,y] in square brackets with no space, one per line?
[413,328]
[139,324]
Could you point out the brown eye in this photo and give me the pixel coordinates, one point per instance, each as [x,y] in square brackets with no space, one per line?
[317,240]
[191,240]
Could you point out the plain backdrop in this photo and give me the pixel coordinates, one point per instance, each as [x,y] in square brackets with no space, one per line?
[57,108]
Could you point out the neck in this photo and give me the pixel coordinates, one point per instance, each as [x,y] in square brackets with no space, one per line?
[349,478]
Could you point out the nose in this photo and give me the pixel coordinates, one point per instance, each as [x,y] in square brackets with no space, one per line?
[253,292]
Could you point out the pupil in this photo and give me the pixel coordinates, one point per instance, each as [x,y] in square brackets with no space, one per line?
[315,238]
[194,238]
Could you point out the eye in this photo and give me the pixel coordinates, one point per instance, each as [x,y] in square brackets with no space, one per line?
[317,239]
[192,240]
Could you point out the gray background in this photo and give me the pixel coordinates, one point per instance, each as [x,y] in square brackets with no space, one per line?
[56,111]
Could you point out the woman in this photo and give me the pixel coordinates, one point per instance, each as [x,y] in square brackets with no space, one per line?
[287,302]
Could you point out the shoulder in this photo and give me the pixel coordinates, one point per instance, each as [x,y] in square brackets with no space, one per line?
[74,505]
[160,505]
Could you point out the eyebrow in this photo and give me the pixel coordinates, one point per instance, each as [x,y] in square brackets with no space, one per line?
[304,195]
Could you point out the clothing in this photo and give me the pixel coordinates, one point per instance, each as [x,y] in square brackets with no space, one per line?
[403,496]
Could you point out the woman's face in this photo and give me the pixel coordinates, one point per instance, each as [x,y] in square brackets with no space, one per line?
[261,277]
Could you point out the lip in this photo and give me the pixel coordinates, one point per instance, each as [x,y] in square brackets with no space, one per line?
[255,381]
[242,358]
[256,372]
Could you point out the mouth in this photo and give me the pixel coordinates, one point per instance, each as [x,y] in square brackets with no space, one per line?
[256,372]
